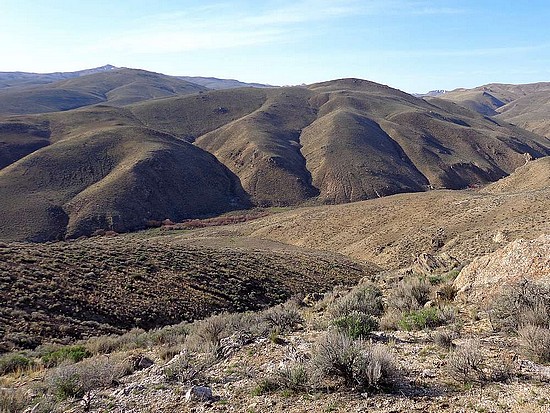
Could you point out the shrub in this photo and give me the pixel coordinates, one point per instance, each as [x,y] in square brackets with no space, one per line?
[293,377]
[168,353]
[535,342]
[410,294]
[170,335]
[212,329]
[375,368]
[526,302]
[420,319]
[465,364]
[184,369]
[73,354]
[356,362]
[335,355]
[103,344]
[13,400]
[447,292]
[283,317]
[444,339]
[265,386]
[356,325]
[13,362]
[365,299]
[84,379]
[390,320]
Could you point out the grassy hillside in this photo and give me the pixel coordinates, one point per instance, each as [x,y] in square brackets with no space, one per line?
[111,284]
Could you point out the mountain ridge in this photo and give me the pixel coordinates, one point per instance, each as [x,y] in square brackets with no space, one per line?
[331,142]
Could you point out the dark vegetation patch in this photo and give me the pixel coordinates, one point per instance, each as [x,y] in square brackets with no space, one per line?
[105,285]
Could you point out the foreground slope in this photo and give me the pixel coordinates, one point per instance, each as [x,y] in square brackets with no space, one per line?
[111,284]
[106,167]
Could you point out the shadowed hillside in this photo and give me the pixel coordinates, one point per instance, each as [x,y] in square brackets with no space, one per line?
[115,168]
[112,178]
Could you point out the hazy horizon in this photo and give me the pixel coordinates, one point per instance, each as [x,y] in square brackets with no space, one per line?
[416,46]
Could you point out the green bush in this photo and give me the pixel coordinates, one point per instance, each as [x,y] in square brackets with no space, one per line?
[73,354]
[13,362]
[356,324]
[420,319]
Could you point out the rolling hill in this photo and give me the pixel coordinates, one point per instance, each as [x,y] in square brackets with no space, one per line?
[393,231]
[525,105]
[25,79]
[67,174]
[116,87]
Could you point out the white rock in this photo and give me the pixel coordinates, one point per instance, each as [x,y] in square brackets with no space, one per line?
[198,393]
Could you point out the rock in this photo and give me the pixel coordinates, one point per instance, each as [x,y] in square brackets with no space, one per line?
[230,344]
[141,362]
[521,259]
[432,264]
[198,393]
[500,237]
[311,298]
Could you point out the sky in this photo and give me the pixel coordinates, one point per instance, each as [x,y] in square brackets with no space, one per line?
[413,45]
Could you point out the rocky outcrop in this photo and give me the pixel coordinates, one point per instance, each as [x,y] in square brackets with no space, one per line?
[521,259]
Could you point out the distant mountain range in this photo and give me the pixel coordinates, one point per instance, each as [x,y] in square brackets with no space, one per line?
[118,148]
[18,79]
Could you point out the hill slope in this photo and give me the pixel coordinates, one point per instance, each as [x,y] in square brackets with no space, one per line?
[393,231]
[524,105]
[117,87]
[333,142]
[114,178]
[111,284]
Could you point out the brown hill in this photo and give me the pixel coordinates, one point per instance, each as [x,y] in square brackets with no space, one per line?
[532,176]
[112,178]
[117,87]
[340,141]
[393,231]
[523,105]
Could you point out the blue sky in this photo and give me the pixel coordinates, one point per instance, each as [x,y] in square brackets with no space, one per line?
[413,45]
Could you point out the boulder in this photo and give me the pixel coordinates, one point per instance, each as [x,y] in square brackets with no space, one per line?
[522,259]
[198,393]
